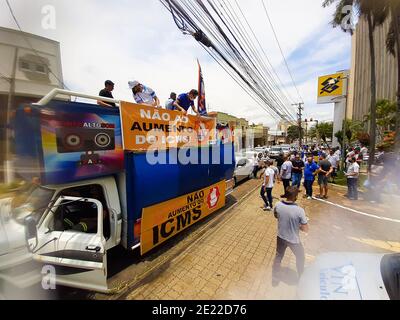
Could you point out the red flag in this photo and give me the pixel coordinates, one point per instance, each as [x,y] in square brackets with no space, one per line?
[201,101]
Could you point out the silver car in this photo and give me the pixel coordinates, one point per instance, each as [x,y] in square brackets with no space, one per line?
[351,276]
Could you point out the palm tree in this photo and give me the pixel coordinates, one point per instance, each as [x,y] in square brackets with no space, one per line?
[376,13]
[393,46]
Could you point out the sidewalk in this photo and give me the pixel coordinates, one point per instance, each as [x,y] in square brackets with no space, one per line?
[231,262]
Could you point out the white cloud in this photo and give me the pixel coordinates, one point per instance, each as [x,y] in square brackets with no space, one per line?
[127,39]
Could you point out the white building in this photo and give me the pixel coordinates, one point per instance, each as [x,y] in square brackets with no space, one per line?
[30,67]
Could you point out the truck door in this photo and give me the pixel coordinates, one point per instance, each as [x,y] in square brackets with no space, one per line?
[71,242]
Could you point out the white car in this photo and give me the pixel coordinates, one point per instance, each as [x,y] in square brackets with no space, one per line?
[351,276]
[244,169]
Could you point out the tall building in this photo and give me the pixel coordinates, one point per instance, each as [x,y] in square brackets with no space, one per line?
[30,67]
[359,97]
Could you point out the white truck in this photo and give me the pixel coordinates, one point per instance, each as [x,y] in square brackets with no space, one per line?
[87,194]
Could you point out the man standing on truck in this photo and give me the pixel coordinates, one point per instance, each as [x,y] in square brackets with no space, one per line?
[143,94]
[169,105]
[107,93]
[186,101]
[291,219]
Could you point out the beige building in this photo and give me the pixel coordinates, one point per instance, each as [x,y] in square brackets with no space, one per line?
[30,67]
[260,133]
[241,125]
[359,97]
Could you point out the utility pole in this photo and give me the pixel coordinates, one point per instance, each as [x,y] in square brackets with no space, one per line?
[300,120]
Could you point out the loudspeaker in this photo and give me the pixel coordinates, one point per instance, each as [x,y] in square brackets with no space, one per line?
[83,140]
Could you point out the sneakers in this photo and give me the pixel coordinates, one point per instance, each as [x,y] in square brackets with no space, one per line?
[267,208]
[309,198]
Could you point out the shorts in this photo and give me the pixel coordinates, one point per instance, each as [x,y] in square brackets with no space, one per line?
[322,180]
[334,174]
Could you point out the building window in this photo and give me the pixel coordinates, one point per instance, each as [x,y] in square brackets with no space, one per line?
[25,66]
[40,68]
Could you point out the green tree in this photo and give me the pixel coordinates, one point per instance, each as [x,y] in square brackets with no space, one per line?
[375,12]
[339,136]
[293,133]
[353,129]
[325,130]
[393,46]
[386,112]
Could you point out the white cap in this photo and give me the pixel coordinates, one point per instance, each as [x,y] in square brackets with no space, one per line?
[133,84]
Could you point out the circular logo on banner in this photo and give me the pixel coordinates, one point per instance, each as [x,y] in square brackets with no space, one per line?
[213,197]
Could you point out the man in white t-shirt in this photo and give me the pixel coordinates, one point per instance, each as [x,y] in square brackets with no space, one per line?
[352,174]
[286,174]
[268,185]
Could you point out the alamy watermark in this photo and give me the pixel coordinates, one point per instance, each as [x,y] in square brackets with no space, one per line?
[49,18]
[348,18]
[48,277]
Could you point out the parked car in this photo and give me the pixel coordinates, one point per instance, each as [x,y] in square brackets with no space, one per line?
[351,276]
[244,169]
[275,152]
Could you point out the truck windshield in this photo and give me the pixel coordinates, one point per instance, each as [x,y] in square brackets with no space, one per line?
[390,269]
[31,202]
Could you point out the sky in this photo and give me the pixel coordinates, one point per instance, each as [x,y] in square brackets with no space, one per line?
[126,40]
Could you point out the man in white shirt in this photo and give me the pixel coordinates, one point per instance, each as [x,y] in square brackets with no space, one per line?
[143,94]
[268,185]
[169,105]
[352,174]
[286,174]
[334,160]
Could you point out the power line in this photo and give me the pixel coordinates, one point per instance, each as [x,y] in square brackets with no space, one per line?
[280,48]
[30,45]
[232,47]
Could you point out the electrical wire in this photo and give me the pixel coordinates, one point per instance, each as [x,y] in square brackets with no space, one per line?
[280,48]
[220,31]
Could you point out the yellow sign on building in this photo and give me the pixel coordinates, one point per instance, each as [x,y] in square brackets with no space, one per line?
[331,85]
[164,220]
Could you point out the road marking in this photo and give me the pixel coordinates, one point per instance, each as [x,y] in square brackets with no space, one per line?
[358,212]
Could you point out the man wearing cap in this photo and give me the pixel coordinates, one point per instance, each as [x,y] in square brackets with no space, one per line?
[143,94]
[106,92]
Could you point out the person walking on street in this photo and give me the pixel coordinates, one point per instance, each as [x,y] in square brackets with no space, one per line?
[256,166]
[324,171]
[352,174]
[267,186]
[286,174]
[279,161]
[291,219]
[297,171]
[334,160]
[310,170]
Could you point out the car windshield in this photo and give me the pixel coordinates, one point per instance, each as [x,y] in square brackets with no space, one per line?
[31,202]
[276,149]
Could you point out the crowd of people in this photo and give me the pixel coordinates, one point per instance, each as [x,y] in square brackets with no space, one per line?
[143,94]
[309,165]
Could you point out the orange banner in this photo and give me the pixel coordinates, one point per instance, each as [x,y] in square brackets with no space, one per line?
[164,220]
[146,127]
